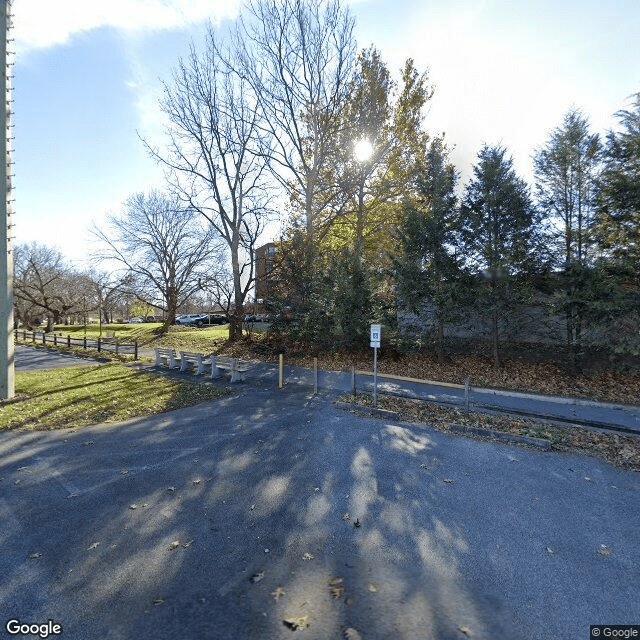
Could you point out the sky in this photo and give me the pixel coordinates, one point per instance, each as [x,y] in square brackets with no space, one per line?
[88,76]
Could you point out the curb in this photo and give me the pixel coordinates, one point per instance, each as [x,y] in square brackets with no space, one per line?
[370,411]
[538,443]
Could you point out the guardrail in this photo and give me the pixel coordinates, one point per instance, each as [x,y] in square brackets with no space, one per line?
[114,345]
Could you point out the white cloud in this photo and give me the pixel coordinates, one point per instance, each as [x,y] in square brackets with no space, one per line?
[43,23]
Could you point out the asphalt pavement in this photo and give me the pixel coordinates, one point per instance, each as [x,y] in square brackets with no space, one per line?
[32,359]
[272,513]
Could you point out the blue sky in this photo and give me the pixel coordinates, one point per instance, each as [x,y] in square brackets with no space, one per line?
[87,81]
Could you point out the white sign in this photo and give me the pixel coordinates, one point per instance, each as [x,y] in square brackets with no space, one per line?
[376,332]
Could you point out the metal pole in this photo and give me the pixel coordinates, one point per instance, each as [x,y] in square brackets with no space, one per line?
[280,371]
[375,376]
[315,376]
[7,383]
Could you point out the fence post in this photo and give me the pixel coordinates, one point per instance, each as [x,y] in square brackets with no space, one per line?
[84,343]
[99,344]
[68,340]
[135,349]
[280,371]
[315,376]
[55,339]
[116,346]
[44,338]
[33,337]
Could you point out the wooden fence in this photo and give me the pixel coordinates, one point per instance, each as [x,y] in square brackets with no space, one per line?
[114,345]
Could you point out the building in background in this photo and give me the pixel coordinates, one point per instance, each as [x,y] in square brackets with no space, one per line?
[265,263]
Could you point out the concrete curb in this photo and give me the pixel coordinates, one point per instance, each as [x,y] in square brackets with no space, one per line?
[464,429]
[581,402]
[538,443]
[370,411]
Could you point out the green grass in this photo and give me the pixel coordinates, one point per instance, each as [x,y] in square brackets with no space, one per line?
[80,396]
[147,334]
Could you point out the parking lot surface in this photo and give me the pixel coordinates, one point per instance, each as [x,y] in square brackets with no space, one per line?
[274,513]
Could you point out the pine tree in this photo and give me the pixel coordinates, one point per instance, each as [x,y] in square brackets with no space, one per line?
[498,234]
[426,268]
[566,172]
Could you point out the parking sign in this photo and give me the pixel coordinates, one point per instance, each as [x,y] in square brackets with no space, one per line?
[375,335]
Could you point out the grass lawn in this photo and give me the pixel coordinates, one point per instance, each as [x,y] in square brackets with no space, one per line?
[84,395]
[147,334]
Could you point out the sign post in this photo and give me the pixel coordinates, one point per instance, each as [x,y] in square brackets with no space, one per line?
[375,344]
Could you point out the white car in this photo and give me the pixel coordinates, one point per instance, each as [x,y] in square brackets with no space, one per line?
[135,321]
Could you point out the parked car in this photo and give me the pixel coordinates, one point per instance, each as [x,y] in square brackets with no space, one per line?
[217,319]
[250,317]
[135,321]
[191,318]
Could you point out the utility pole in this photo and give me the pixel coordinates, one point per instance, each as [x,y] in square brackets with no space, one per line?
[7,389]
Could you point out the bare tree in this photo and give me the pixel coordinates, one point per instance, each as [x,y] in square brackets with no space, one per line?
[164,249]
[45,284]
[298,57]
[212,161]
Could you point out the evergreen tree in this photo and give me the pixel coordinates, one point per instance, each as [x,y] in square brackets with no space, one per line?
[566,172]
[619,192]
[498,235]
[618,234]
[426,268]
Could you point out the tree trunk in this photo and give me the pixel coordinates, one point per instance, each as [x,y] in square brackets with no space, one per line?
[172,307]
[235,320]
[494,340]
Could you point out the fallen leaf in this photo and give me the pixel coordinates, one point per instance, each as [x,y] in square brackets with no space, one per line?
[157,601]
[34,556]
[307,556]
[171,488]
[278,593]
[94,545]
[352,634]
[197,481]
[256,577]
[447,480]
[124,472]
[133,506]
[174,545]
[336,589]
[464,629]
[252,507]
[186,545]
[550,551]
[356,523]
[603,550]
[346,516]
[373,587]
[296,623]
[587,478]
[88,442]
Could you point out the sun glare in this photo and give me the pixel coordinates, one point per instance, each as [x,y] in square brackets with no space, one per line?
[362,150]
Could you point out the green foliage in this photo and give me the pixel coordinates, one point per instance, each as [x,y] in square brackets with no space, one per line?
[498,238]
[425,266]
[566,171]
[618,224]
[352,299]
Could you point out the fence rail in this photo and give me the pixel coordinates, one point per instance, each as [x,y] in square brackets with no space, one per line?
[113,345]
